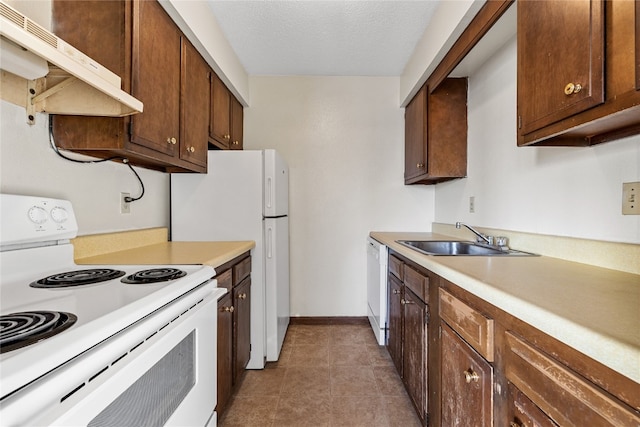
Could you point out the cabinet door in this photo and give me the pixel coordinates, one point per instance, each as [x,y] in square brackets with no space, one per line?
[467,383]
[220,118]
[195,106]
[394,339]
[225,352]
[415,134]
[414,352]
[560,60]
[242,327]
[156,78]
[237,117]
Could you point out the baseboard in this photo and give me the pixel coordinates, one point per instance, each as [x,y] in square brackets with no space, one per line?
[329,320]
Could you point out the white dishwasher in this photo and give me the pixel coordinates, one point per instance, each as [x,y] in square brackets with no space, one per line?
[377,288]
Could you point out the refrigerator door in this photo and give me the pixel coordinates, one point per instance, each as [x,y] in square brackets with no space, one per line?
[276,251]
[276,185]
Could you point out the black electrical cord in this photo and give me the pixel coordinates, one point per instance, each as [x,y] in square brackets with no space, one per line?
[54,147]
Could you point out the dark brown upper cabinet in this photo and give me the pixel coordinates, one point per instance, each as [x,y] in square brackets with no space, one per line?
[578,67]
[138,41]
[226,116]
[436,133]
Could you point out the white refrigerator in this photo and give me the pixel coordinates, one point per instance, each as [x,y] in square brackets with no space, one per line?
[244,196]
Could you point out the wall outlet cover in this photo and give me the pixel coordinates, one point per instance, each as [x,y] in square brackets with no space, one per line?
[125,207]
[631,198]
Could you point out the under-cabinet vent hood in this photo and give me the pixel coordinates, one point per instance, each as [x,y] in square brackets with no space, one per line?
[43,73]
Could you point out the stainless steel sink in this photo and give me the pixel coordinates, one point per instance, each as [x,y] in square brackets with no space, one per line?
[458,248]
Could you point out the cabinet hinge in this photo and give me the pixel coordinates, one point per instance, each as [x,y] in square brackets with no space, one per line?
[426,420]
[130,128]
[519,122]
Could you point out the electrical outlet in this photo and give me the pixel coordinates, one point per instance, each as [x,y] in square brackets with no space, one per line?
[472,204]
[631,198]
[125,207]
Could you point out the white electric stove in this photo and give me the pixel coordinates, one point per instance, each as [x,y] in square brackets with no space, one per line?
[96,345]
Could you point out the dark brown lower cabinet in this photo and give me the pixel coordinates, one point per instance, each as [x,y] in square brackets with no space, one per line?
[242,327]
[467,383]
[225,352]
[394,337]
[234,326]
[415,350]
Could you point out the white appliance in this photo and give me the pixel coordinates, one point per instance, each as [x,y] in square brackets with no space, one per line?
[244,196]
[85,345]
[377,288]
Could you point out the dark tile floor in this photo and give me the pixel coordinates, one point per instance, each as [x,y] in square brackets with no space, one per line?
[327,375]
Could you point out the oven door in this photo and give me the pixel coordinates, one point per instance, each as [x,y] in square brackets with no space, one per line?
[162,372]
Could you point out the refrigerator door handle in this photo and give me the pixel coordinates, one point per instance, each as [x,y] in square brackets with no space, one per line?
[269,242]
[269,192]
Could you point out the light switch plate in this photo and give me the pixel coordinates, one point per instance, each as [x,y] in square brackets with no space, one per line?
[631,198]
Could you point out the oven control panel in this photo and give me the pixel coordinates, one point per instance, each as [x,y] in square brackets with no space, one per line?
[31,219]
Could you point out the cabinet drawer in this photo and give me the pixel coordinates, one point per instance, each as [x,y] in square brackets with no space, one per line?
[566,397]
[472,325]
[395,267]
[224,279]
[523,412]
[417,282]
[241,270]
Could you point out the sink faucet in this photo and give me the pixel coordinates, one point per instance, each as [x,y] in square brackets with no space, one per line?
[481,237]
[498,242]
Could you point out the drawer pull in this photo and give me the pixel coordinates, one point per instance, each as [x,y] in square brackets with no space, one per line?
[471,375]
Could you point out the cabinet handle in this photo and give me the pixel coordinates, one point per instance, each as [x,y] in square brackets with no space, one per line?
[406,301]
[191,149]
[419,165]
[471,375]
[242,296]
[172,141]
[227,136]
[571,88]
[396,291]
[236,143]
[229,309]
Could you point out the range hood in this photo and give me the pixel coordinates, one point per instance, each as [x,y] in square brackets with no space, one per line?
[43,73]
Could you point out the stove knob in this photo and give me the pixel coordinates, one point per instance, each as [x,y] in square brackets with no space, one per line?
[37,215]
[59,214]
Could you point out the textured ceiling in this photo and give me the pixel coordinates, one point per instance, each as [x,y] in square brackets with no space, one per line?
[329,38]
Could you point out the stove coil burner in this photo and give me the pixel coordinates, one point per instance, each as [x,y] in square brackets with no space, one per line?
[22,329]
[77,278]
[153,275]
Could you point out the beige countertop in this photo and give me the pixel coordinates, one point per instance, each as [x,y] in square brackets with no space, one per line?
[208,253]
[592,309]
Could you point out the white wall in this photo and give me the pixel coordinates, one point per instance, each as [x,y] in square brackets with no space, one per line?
[343,138]
[566,191]
[29,166]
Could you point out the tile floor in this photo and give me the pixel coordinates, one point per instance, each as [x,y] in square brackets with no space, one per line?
[327,375]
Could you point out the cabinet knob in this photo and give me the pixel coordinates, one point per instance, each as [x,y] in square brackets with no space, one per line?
[514,424]
[420,165]
[396,291]
[236,143]
[572,88]
[242,296]
[406,301]
[471,375]
[191,149]
[171,141]
[227,136]
[229,309]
